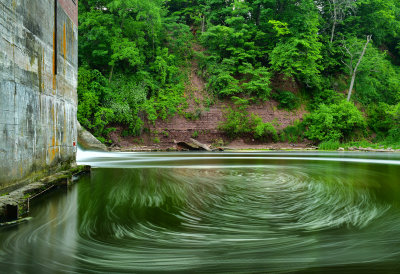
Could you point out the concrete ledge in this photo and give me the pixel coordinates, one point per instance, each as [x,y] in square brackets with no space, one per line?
[15,205]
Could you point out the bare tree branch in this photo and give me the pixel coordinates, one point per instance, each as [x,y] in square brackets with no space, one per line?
[353,78]
[339,10]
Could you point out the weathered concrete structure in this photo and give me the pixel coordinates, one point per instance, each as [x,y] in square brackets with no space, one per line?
[38,81]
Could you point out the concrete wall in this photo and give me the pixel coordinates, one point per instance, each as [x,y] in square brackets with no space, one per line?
[38,80]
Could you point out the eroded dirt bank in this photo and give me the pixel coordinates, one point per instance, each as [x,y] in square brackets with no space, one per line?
[165,134]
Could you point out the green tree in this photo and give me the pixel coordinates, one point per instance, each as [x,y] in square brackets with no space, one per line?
[337,122]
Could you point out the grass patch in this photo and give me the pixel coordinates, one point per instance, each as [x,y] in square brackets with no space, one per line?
[329,145]
[367,144]
[195,134]
[335,145]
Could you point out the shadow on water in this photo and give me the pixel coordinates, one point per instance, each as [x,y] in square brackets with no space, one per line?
[222,212]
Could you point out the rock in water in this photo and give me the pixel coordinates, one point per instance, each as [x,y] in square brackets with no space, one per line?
[192,145]
[203,146]
[88,141]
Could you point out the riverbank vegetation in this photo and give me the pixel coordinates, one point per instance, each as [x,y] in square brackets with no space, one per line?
[343,56]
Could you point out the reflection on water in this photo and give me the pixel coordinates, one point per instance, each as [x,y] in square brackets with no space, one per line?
[227,212]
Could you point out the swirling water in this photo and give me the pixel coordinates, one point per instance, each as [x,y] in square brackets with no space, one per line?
[216,212]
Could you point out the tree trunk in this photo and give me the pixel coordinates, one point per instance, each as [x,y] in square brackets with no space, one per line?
[353,77]
[111,74]
[333,31]
[334,20]
[258,15]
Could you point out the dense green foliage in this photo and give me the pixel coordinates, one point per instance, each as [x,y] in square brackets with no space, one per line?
[239,123]
[335,122]
[287,100]
[134,57]
[293,133]
[384,120]
[132,64]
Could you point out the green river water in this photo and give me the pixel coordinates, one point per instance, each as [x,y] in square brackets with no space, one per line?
[250,212]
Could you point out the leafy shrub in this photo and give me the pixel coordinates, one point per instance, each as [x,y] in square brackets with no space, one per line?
[126,101]
[223,84]
[125,133]
[263,130]
[384,119]
[394,132]
[294,133]
[393,136]
[102,118]
[218,143]
[258,82]
[325,96]
[335,122]
[380,84]
[238,123]
[299,57]
[195,115]
[180,38]
[195,134]
[237,120]
[287,100]
[165,104]
[379,120]
[92,94]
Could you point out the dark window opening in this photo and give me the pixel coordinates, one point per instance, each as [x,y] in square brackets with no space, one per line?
[55,37]
[12,213]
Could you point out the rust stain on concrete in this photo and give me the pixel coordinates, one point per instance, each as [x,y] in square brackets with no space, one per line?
[32,60]
[43,67]
[32,138]
[52,154]
[53,119]
[40,75]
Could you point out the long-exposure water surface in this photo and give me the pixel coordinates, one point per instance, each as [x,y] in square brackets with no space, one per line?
[216,212]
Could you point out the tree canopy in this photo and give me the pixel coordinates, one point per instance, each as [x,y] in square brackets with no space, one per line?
[134,55]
